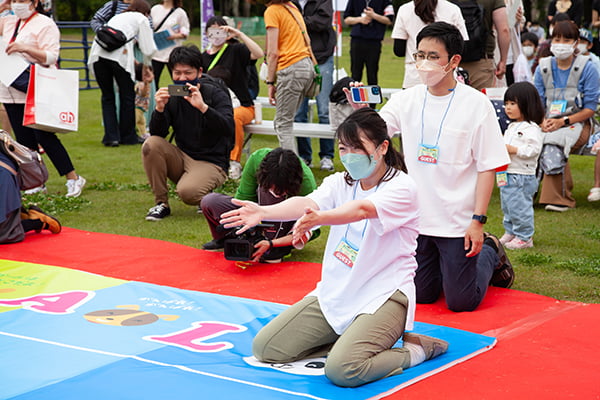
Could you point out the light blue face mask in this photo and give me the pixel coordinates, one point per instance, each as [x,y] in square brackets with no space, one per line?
[359,166]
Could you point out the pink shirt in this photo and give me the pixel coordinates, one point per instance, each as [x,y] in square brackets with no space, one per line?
[39,31]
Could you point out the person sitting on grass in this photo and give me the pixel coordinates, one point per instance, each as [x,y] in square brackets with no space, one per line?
[16,220]
[203,130]
[269,177]
[366,297]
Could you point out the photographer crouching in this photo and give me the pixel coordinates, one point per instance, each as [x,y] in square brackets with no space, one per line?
[269,177]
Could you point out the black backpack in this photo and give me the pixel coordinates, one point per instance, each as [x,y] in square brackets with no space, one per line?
[473,14]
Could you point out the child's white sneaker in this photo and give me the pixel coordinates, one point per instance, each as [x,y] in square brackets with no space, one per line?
[517,244]
[594,194]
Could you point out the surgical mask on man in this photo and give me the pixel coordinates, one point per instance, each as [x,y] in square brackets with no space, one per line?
[359,166]
[562,51]
[22,10]
[528,51]
[193,82]
[431,73]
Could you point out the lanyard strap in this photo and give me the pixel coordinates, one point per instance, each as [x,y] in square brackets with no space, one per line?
[366,220]
[16,32]
[217,57]
[437,140]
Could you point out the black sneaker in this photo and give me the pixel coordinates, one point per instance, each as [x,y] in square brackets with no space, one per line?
[215,244]
[158,212]
[503,275]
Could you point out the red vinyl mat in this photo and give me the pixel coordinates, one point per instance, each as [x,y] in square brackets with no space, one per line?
[547,349]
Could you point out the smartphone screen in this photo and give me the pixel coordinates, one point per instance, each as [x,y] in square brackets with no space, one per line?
[179,90]
[366,94]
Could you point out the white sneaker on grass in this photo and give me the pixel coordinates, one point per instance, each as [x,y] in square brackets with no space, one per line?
[327,164]
[235,170]
[75,186]
[594,194]
[38,189]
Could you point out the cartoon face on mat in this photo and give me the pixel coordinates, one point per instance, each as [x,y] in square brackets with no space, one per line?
[308,366]
[128,315]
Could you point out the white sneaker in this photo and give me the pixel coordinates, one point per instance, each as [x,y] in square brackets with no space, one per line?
[39,189]
[556,208]
[327,164]
[507,237]
[75,186]
[594,194]
[235,170]
[517,243]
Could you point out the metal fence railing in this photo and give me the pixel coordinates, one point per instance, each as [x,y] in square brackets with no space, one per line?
[83,44]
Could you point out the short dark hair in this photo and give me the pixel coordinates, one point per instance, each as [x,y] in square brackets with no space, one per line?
[217,19]
[140,6]
[281,170]
[374,127]
[566,29]
[559,18]
[186,55]
[445,33]
[532,37]
[528,99]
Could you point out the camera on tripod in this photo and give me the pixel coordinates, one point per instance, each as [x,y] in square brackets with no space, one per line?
[241,247]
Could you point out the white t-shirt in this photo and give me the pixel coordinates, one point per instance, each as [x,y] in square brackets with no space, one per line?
[134,25]
[177,22]
[527,138]
[470,142]
[387,244]
[408,25]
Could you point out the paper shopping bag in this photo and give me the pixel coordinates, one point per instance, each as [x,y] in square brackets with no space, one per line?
[52,102]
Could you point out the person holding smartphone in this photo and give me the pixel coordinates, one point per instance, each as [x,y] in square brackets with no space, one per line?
[198,109]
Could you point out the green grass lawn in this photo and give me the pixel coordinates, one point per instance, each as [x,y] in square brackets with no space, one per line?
[564,264]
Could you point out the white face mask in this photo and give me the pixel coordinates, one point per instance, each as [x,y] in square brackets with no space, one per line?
[22,10]
[562,51]
[528,51]
[582,48]
[216,36]
[431,73]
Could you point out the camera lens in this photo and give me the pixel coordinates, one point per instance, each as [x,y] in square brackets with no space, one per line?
[375,90]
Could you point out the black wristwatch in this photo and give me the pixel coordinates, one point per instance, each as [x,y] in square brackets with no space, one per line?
[481,218]
[270,83]
[567,121]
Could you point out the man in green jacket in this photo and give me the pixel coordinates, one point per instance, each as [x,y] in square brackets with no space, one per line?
[269,177]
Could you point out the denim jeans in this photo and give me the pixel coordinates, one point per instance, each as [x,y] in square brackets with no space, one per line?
[517,205]
[325,145]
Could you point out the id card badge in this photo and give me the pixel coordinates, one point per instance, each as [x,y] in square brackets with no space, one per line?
[428,154]
[557,107]
[346,253]
[501,178]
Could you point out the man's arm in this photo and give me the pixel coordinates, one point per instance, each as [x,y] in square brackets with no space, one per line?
[500,21]
[219,116]
[483,194]
[101,16]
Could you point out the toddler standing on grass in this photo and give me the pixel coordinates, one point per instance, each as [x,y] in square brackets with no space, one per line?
[524,141]
[144,78]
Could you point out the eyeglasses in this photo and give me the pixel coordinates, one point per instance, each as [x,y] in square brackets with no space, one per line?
[421,55]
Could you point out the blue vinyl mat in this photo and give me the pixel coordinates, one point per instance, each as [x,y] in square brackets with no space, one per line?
[66,334]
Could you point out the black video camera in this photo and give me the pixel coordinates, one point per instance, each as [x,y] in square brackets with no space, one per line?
[241,247]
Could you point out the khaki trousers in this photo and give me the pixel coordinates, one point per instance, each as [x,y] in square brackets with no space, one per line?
[362,354]
[194,178]
[292,83]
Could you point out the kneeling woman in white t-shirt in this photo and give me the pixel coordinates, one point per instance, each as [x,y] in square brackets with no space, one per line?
[366,297]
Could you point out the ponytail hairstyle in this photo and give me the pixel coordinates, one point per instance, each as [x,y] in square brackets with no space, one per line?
[425,9]
[367,121]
